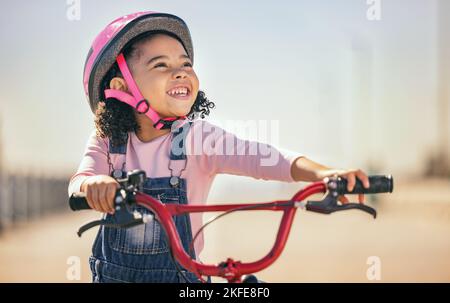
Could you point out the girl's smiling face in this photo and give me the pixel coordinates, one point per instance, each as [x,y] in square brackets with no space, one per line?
[164,74]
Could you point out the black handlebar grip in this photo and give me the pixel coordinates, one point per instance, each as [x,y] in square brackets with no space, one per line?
[378,184]
[78,201]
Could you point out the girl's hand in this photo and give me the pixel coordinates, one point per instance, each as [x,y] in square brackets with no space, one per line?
[350,175]
[100,191]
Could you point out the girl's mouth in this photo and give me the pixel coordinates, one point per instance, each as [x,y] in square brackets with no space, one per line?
[180,93]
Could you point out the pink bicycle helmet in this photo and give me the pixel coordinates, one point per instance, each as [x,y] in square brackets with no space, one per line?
[107,49]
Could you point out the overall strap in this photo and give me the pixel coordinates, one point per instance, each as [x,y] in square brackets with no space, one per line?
[178,144]
[178,157]
[117,172]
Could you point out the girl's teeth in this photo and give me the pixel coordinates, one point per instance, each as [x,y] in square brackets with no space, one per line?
[179,91]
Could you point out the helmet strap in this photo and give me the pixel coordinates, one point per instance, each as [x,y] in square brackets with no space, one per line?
[136,100]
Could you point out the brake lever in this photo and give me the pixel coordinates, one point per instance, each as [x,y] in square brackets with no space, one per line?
[329,205]
[122,218]
[106,223]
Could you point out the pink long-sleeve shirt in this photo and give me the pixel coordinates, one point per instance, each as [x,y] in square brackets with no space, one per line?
[210,151]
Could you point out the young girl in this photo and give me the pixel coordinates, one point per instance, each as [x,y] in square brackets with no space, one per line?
[141,85]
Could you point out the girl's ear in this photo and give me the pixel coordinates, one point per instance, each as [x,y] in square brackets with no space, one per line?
[119,84]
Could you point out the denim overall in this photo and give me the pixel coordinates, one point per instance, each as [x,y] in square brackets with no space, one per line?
[141,253]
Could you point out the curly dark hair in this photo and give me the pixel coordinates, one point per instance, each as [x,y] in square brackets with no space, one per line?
[114,119]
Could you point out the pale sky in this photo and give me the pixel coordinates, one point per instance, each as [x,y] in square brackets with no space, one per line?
[344,89]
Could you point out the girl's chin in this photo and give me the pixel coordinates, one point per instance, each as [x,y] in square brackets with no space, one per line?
[176,113]
[180,109]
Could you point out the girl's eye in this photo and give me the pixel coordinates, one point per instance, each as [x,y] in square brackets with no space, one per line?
[188,64]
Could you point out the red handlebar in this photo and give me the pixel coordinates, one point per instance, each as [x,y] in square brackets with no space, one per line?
[130,193]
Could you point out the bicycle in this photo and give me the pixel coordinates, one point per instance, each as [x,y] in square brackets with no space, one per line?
[130,194]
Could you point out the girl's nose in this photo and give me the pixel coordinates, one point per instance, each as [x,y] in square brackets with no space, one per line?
[180,74]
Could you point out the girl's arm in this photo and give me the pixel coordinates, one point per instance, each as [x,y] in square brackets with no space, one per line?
[303,169]
[264,161]
[94,163]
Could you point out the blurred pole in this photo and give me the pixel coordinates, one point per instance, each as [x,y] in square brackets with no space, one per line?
[43,194]
[22,188]
[12,182]
[37,197]
[26,196]
[443,11]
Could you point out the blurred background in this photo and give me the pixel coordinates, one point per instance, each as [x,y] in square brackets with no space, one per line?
[352,83]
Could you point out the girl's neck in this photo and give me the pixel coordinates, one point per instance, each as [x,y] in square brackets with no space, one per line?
[147,132]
